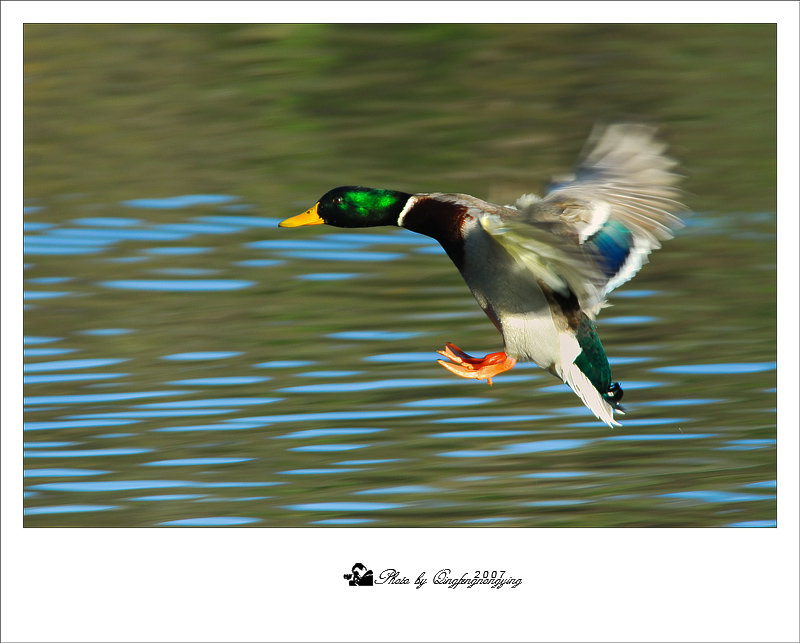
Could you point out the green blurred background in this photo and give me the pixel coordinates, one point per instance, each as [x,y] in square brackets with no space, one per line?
[289,110]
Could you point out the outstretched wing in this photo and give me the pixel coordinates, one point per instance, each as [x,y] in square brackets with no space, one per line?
[594,230]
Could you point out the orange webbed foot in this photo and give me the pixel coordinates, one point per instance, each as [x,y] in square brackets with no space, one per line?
[479,368]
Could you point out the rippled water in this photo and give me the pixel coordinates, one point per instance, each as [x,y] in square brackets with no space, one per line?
[316,398]
[187,363]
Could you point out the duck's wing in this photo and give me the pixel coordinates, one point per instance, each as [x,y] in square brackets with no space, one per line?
[593,230]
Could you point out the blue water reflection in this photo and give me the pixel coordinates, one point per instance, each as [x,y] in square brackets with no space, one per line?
[33,226]
[107,331]
[402,237]
[430,250]
[635,294]
[443,402]
[686,402]
[492,419]
[134,485]
[58,239]
[660,436]
[368,386]
[326,448]
[26,295]
[555,503]
[234,485]
[342,521]
[27,339]
[50,280]
[61,473]
[244,499]
[72,377]
[766,484]
[327,432]
[50,249]
[210,521]
[224,426]
[334,415]
[715,496]
[259,263]
[327,374]
[629,320]
[747,444]
[629,386]
[220,381]
[66,509]
[176,251]
[554,475]
[198,228]
[46,445]
[718,369]
[202,355]
[328,276]
[69,364]
[524,447]
[111,235]
[755,523]
[184,201]
[294,363]
[170,496]
[300,244]
[71,424]
[185,272]
[480,433]
[363,462]
[621,361]
[191,462]
[167,413]
[97,397]
[331,255]
[179,285]
[316,472]
[212,402]
[243,221]
[137,259]
[86,453]
[346,506]
[119,222]
[400,358]
[46,352]
[401,489]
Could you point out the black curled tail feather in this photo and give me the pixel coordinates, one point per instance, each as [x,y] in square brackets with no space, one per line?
[614,395]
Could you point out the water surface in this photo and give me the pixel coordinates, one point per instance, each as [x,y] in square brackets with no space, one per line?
[187,363]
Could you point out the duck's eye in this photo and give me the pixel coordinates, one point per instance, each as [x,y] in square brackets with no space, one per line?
[337,200]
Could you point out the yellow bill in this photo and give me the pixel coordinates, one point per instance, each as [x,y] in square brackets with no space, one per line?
[309,217]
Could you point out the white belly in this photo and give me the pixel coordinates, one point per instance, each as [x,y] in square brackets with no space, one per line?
[531,338]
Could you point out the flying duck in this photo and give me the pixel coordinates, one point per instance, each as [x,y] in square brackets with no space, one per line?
[542,268]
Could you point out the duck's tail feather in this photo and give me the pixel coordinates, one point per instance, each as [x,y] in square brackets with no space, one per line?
[585,390]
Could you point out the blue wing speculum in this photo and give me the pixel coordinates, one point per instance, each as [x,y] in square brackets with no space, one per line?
[601,223]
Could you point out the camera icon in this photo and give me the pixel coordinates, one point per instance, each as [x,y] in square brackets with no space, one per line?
[360,576]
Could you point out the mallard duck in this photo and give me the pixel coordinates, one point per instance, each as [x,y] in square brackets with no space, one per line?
[541,269]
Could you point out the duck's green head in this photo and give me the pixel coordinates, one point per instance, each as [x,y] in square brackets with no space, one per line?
[353,207]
